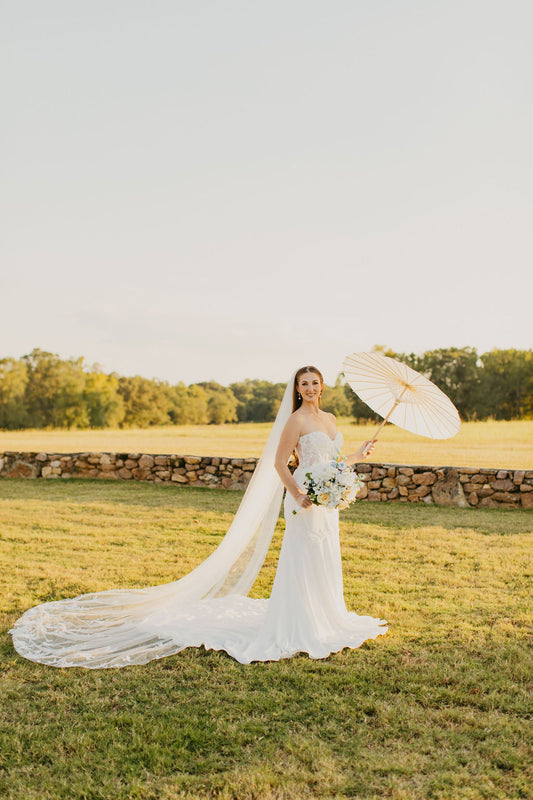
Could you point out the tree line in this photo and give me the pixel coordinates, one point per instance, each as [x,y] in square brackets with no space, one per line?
[42,390]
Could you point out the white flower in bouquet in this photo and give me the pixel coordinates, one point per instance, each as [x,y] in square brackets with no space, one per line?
[324,471]
[346,479]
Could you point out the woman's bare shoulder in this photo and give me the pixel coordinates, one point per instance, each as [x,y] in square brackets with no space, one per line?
[294,423]
[295,419]
[291,431]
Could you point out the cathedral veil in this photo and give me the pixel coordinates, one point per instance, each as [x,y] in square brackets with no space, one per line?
[112,628]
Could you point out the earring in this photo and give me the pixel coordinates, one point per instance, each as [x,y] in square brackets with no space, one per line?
[299,396]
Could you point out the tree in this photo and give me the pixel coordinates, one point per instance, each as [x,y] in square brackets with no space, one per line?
[221,404]
[146,402]
[507,384]
[189,405]
[13,380]
[244,394]
[257,400]
[198,405]
[336,400]
[54,391]
[105,406]
[42,390]
[456,372]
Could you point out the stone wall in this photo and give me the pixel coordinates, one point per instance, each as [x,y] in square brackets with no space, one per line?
[454,486]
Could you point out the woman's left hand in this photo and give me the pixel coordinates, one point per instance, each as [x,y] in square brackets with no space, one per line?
[364,451]
[367,448]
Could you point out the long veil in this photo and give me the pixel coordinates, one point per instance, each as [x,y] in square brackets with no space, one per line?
[111,628]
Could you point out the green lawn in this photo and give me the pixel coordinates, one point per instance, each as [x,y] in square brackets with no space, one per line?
[507,445]
[439,708]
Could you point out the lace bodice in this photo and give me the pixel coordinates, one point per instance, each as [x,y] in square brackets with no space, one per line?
[317,446]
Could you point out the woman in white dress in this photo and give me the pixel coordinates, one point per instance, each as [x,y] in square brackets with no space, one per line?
[306,610]
[210,606]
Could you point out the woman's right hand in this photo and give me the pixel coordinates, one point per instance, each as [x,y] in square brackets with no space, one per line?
[302,499]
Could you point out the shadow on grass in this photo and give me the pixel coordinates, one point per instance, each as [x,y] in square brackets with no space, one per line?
[126,493]
[399,516]
[419,515]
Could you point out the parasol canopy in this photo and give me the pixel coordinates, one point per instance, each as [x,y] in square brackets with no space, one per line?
[401,395]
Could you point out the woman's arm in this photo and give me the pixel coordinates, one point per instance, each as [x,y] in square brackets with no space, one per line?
[364,451]
[287,445]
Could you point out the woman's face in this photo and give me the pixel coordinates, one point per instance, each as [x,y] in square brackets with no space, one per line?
[309,386]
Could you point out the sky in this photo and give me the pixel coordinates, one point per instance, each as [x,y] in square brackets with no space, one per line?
[229,190]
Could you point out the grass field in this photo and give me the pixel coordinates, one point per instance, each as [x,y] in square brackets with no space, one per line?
[478,444]
[440,708]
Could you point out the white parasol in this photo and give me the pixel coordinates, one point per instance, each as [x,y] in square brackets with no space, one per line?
[401,395]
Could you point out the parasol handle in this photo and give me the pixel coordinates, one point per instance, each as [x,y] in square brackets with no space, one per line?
[382,424]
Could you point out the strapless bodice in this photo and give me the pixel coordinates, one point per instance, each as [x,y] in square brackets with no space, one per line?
[317,446]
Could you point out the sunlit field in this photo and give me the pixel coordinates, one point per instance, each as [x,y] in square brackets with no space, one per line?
[438,708]
[478,444]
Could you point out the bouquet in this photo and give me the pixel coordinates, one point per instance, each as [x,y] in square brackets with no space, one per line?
[332,484]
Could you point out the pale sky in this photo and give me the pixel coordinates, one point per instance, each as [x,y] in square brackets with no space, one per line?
[221,190]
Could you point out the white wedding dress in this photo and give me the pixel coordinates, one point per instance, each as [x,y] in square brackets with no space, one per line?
[305,612]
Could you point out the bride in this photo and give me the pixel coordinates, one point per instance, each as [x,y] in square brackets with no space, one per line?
[210,606]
